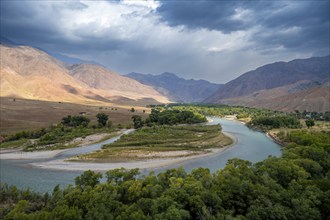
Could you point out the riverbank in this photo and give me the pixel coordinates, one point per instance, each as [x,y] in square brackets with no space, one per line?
[160,142]
[274,138]
[19,154]
[156,160]
[234,118]
[143,164]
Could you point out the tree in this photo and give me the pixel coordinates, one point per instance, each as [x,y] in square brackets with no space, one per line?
[132,110]
[88,178]
[102,119]
[137,121]
[67,120]
[119,175]
[310,123]
[75,121]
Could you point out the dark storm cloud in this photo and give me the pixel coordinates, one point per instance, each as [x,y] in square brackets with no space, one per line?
[200,14]
[297,25]
[27,23]
[20,22]
[213,15]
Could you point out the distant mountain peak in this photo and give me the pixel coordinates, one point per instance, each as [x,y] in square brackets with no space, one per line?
[176,88]
[169,74]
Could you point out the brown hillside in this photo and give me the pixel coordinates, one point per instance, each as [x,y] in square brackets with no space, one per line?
[30,73]
[101,78]
[313,99]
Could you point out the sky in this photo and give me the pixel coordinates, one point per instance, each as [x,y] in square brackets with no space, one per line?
[211,40]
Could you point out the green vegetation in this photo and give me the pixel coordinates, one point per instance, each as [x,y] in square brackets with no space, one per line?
[268,123]
[320,116]
[26,135]
[223,110]
[15,143]
[150,142]
[56,137]
[242,113]
[102,119]
[172,117]
[75,121]
[137,121]
[310,123]
[261,119]
[296,186]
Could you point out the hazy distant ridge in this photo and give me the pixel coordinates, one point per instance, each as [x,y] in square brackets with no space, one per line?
[176,88]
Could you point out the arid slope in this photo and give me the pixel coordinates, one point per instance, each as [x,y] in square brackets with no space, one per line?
[30,73]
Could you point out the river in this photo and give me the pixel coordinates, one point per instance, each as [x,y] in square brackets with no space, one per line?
[250,145]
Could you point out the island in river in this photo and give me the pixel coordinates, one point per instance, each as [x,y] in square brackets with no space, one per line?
[144,148]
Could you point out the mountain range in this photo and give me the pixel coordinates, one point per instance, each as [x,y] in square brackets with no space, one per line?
[30,73]
[301,84]
[177,89]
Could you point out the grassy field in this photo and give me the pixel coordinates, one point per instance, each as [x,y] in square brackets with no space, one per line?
[161,142]
[24,114]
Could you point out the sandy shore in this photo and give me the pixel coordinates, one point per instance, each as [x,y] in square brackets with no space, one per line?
[144,164]
[274,138]
[19,154]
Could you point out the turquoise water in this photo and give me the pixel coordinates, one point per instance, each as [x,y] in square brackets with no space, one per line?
[251,145]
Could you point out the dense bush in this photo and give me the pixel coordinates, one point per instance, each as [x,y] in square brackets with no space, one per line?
[102,119]
[75,121]
[27,134]
[267,123]
[171,117]
[243,112]
[61,134]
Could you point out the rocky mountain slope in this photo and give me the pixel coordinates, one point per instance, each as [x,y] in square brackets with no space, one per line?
[29,73]
[296,85]
[100,78]
[176,88]
[275,75]
[287,98]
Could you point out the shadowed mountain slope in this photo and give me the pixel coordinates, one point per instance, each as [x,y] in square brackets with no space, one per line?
[275,75]
[301,84]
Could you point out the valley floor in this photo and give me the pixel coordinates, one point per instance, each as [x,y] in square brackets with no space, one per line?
[150,159]
[23,114]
